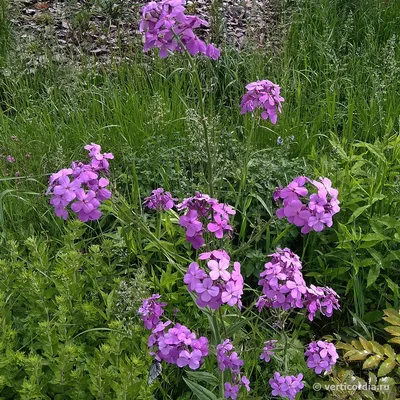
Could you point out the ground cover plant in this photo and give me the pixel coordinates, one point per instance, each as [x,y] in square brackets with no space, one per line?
[202,222]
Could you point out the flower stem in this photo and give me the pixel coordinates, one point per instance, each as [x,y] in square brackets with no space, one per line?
[209,176]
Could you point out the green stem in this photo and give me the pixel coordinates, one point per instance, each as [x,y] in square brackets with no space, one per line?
[246,163]
[209,177]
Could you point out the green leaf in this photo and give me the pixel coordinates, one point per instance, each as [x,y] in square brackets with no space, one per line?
[393,330]
[199,391]
[372,362]
[386,367]
[373,316]
[374,236]
[358,212]
[203,376]
[373,274]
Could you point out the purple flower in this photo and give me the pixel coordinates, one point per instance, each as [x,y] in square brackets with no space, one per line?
[286,386]
[194,275]
[269,346]
[160,200]
[232,293]
[10,159]
[265,95]
[81,183]
[66,189]
[164,21]
[231,391]
[216,284]
[151,311]
[206,290]
[86,205]
[201,208]
[314,213]
[218,269]
[321,356]
[190,222]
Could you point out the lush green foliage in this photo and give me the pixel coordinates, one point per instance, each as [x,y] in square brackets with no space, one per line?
[69,292]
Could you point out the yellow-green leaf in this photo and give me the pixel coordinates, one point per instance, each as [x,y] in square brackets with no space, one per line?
[372,362]
[386,367]
[367,345]
[389,351]
[358,356]
[378,348]
[394,340]
[357,345]
[344,346]
[393,330]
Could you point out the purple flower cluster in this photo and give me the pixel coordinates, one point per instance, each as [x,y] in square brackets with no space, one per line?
[165,21]
[265,95]
[218,284]
[160,200]
[229,359]
[286,386]
[310,213]
[177,345]
[321,356]
[322,299]
[81,186]
[282,282]
[268,350]
[151,311]
[284,287]
[202,210]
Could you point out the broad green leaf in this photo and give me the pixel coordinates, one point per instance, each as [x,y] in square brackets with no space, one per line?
[389,351]
[199,391]
[386,367]
[372,362]
[378,348]
[392,316]
[374,237]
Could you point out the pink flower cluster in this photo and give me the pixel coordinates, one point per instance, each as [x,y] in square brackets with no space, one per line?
[165,21]
[151,311]
[310,213]
[175,345]
[202,210]
[218,284]
[286,386]
[268,350]
[81,186]
[284,287]
[321,356]
[229,359]
[160,200]
[265,95]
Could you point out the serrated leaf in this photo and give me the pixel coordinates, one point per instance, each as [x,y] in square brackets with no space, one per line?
[392,316]
[386,367]
[372,362]
[393,330]
[199,391]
